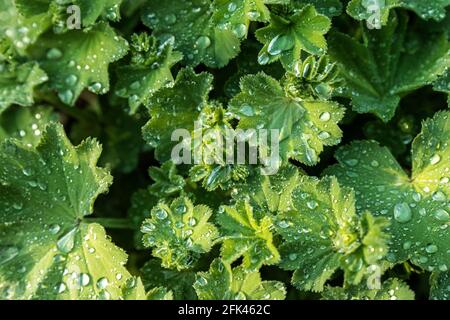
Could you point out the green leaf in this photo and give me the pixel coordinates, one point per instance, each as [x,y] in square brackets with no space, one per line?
[90,11]
[179,282]
[17,83]
[416,205]
[440,286]
[246,236]
[175,108]
[286,37]
[19,29]
[25,124]
[167,181]
[119,132]
[223,283]
[211,146]
[160,293]
[361,9]
[148,72]
[378,71]
[49,250]
[322,233]
[79,59]
[391,289]
[305,126]
[330,8]
[269,193]
[191,27]
[179,233]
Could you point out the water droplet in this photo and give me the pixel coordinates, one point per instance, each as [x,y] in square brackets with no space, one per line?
[351,162]
[263,58]
[7,254]
[192,222]
[18,205]
[439,196]
[312,204]
[84,279]
[402,212]
[54,54]
[407,245]
[102,283]
[171,18]
[435,159]
[323,135]
[240,30]
[325,116]
[283,224]
[441,215]
[232,7]
[161,213]
[431,248]
[416,196]
[71,80]
[66,96]
[119,276]
[61,287]
[247,110]
[292,256]
[374,163]
[66,243]
[201,281]
[203,42]
[54,228]
[96,87]
[279,44]
[27,172]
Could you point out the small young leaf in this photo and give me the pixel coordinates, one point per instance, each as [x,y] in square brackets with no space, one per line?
[223,283]
[179,233]
[286,37]
[246,236]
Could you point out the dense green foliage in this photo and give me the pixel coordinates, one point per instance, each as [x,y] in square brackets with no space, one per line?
[93,205]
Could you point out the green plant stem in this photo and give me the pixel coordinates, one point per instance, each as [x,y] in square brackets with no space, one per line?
[111,223]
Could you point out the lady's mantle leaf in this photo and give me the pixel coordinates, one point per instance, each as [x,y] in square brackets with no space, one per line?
[179,282]
[223,283]
[48,250]
[365,9]
[179,233]
[175,108]
[148,72]
[391,289]
[416,205]
[190,25]
[440,286]
[378,72]
[305,126]
[79,59]
[246,236]
[17,83]
[286,38]
[322,232]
